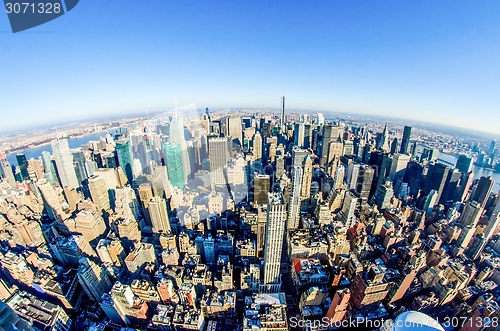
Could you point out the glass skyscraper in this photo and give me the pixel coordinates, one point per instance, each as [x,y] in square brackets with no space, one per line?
[173,161]
[124,152]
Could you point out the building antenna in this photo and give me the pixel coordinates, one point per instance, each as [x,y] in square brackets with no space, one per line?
[176,116]
[57,133]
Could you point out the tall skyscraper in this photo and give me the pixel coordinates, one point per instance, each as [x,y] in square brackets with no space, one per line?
[50,170]
[261,187]
[364,183]
[99,193]
[464,163]
[257,151]
[177,136]
[64,163]
[405,142]
[93,279]
[330,133]
[273,248]
[51,201]
[125,157]
[450,187]
[293,216]
[158,214]
[218,152]
[235,131]
[398,167]
[298,134]
[493,145]
[282,118]
[383,140]
[349,206]
[7,170]
[80,165]
[174,163]
[23,165]
[471,214]
[435,179]
[483,190]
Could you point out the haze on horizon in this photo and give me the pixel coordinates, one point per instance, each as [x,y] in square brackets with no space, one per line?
[426,61]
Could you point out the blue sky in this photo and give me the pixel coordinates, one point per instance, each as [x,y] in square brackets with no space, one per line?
[435,61]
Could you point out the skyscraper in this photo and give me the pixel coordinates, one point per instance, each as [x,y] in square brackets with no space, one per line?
[7,170]
[298,135]
[99,193]
[80,165]
[471,214]
[364,183]
[383,140]
[158,214]
[93,279]
[218,153]
[435,179]
[493,145]
[50,170]
[293,216]
[64,163]
[398,167]
[23,165]
[261,186]
[174,163]
[282,118]
[330,133]
[273,248]
[483,190]
[405,142]
[124,153]
[464,163]
[177,136]
[235,131]
[257,151]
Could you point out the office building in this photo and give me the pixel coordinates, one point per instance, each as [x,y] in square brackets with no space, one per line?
[218,151]
[405,142]
[23,166]
[482,191]
[6,170]
[125,157]
[174,164]
[293,214]
[274,235]
[159,215]
[464,163]
[235,130]
[94,279]
[64,163]
[99,193]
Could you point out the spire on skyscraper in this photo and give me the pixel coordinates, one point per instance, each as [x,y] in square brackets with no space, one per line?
[282,120]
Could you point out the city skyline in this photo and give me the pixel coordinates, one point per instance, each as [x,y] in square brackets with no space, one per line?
[391,59]
[153,177]
[310,220]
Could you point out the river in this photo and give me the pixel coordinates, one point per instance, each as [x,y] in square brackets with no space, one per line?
[72,142]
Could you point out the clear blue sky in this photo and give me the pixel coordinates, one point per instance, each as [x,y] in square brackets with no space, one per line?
[437,61]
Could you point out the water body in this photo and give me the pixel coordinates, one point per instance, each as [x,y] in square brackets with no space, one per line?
[451,160]
[72,142]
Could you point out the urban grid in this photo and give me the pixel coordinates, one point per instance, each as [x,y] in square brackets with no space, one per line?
[251,221]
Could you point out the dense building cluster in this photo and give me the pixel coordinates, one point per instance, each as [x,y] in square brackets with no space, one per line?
[224,222]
